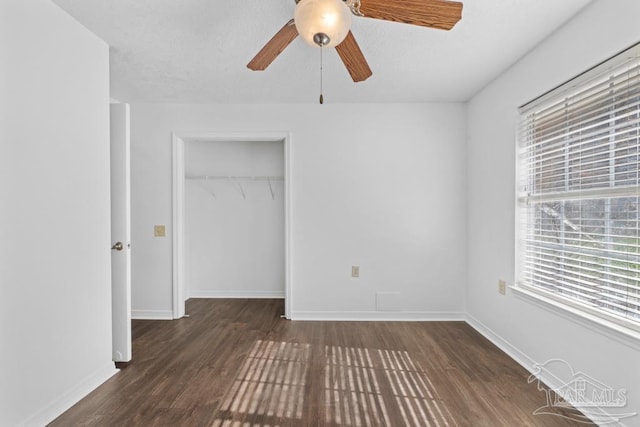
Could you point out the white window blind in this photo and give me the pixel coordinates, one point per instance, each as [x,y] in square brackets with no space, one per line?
[578,192]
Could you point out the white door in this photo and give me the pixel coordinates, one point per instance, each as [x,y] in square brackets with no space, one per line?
[120,233]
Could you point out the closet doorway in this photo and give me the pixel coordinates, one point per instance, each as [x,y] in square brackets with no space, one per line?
[231,217]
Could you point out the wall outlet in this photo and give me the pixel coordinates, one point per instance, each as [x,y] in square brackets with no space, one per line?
[159,231]
[502,287]
[355,271]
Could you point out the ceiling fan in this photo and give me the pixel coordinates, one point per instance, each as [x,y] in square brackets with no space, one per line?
[326,23]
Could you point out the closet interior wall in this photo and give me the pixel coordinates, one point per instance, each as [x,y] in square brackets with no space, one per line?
[235,219]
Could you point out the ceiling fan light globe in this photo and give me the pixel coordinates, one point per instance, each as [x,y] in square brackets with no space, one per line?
[329,17]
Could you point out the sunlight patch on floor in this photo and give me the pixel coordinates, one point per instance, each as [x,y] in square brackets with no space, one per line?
[352,392]
[362,387]
[414,392]
[270,383]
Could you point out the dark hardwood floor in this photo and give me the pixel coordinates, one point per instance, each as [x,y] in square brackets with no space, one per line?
[237,363]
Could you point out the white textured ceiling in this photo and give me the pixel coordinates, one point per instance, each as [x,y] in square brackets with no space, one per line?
[196,51]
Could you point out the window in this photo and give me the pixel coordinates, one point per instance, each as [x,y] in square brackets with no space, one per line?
[578,193]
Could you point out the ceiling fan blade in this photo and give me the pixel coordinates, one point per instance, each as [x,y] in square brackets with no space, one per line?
[353,59]
[441,14]
[274,47]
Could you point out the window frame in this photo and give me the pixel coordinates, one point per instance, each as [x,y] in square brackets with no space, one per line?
[563,305]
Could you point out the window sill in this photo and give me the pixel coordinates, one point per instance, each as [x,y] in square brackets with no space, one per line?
[609,329]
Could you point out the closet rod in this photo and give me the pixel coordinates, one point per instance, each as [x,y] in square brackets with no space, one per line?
[235,178]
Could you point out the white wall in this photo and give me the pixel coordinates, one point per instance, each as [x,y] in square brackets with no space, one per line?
[235,244]
[379,186]
[55,309]
[528,330]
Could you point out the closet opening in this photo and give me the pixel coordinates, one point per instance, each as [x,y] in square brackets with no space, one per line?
[231,217]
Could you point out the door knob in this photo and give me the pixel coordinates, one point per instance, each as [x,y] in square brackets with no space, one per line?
[118,246]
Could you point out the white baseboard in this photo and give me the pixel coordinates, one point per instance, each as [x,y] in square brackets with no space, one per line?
[530,365]
[152,314]
[382,316]
[69,398]
[235,294]
[504,345]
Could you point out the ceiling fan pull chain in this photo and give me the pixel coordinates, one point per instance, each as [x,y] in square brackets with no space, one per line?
[321,96]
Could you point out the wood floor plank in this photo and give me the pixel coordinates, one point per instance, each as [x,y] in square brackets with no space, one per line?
[237,363]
